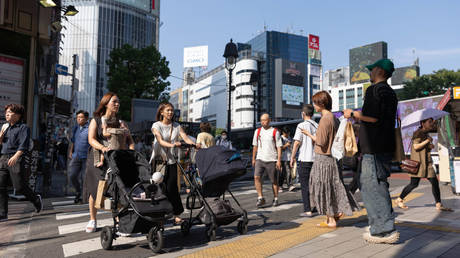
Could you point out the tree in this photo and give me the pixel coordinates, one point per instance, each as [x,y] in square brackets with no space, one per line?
[137,73]
[430,84]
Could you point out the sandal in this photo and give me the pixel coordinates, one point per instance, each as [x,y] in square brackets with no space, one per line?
[443,208]
[325,225]
[401,204]
[339,216]
[177,222]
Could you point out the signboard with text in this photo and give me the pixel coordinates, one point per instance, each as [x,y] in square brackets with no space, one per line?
[196,56]
[11,80]
[313,42]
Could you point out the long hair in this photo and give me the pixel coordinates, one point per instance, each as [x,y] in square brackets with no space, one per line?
[101,109]
[162,106]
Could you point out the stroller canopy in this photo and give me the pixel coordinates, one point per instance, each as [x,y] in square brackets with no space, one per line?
[219,162]
[129,165]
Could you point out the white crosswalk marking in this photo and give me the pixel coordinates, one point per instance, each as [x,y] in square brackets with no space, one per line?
[81,226]
[60,203]
[75,214]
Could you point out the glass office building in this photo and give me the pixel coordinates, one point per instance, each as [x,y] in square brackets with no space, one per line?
[99,27]
[285,59]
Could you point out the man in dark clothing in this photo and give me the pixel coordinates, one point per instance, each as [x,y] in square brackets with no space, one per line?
[15,136]
[377,144]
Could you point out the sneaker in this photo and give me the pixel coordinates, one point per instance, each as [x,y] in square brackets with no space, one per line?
[291,188]
[385,238]
[275,203]
[91,227]
[260,202]
[38,204]
[367,229]
[280,190]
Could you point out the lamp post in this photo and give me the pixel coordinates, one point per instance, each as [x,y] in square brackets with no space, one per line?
[231,55]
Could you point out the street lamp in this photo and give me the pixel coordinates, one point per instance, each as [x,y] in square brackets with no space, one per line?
[231,55]
[70,10]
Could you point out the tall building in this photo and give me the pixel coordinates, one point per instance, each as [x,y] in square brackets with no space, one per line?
[284,73]
[99,27]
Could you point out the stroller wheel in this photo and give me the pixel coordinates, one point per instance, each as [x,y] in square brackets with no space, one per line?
[242,227]
[185,227]
[107,238]
[155,238]
[211,233]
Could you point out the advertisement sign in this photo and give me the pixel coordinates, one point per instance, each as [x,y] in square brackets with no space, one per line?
[11,80]
[293,95]
[195,56]
[362,56]
[445,99]
[313,42]
[456,92]
[315,70]
[293,73]
[338,77]
[314,56]
[404,74]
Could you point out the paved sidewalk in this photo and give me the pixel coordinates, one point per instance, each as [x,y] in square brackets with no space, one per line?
[425,232]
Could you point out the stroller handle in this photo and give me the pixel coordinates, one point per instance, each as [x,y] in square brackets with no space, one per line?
[186,145]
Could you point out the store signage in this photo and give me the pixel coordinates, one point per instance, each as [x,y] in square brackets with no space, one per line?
[11,80]
[445,99]
[196,56]
[313,42]
[456,92]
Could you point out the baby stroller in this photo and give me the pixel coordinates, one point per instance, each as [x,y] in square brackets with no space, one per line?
[137,203]
[218,167]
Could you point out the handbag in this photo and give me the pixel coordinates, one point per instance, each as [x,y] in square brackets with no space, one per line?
[100,198]
[399,154]
[351,147]
[409,165]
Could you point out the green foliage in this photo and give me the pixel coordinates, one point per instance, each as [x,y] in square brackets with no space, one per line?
[430,84]
[219,131]
[137,73]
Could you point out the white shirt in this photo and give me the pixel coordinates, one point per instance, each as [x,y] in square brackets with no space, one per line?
[168,134]
[266,149]
[306,153]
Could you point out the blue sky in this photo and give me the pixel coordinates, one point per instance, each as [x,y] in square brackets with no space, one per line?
[430,27]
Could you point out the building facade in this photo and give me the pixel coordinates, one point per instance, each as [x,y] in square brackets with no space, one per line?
[101,26]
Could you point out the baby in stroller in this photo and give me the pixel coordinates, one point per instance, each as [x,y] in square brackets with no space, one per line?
[117,136]
[129,172]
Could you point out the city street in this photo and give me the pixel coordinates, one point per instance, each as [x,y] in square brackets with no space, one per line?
[58,231]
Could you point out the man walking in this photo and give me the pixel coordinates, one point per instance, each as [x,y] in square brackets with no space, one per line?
[224,141]
[266,158]
[78,152]
[306,155]
[377,142]
[15,137]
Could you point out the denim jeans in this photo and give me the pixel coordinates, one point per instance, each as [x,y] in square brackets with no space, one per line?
[77,169]
[375,171]
[304,170]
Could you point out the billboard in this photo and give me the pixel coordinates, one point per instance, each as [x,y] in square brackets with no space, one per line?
[338,77]
[313,42]
[292,95]
[195,56]
[362,56]
[11,80]
[404,74]
[293,73]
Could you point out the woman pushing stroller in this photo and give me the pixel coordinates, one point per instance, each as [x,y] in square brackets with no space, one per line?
[167,133]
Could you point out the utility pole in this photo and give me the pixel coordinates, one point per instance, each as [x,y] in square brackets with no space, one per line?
[72,97]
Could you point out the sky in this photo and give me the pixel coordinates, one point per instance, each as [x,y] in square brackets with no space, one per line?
[431,28]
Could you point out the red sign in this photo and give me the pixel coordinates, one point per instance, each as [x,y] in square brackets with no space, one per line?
[153,4]
[313,42]
[444,100]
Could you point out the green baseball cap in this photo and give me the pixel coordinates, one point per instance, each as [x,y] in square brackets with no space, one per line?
[385,64]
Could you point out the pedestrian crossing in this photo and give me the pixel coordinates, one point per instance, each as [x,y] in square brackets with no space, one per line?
[71,220]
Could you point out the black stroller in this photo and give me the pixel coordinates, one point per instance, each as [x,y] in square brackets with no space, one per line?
[218,167]
[138,205]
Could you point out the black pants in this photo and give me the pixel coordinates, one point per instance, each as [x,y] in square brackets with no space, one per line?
[414,181]
[16,174]
[304,170]
[285,174]
[172,192]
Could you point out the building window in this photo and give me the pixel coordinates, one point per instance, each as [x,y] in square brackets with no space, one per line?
[360,97]
[341,100]
[350,98]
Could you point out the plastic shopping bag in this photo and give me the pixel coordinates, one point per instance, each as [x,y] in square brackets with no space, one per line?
[338,146]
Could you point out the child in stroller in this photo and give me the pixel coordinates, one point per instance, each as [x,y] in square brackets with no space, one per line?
[129,172]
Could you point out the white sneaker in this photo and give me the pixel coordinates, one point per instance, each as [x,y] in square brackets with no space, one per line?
[291,188]
[367,229]
[91,227]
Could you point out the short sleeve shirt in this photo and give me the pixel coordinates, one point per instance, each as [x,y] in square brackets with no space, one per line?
[286,155]
[306,153]
[205,139]
[169,133]
[266,145]
[325,134]
[380,102]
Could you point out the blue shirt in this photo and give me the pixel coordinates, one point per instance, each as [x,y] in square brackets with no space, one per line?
[80,141]
[16,138]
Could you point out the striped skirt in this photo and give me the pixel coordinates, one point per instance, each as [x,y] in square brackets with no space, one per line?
[327,192]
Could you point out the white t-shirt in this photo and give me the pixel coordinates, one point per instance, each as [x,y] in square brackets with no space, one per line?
[162,153]
[306,153]
[266,150]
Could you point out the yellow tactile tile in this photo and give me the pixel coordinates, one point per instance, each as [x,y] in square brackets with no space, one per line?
[276,240]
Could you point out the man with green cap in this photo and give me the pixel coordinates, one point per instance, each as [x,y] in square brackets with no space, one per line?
[377,142]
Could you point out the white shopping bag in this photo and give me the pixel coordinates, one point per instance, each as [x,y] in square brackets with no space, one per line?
[338,146]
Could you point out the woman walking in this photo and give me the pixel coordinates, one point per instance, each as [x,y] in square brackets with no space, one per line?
[164,155]
[421,147]
[327,192]
[107,109]
[205,139]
